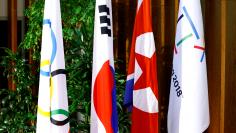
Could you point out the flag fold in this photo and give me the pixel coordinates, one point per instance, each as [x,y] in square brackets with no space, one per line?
[52,114]
[188,104]
[104,118]
[141,94]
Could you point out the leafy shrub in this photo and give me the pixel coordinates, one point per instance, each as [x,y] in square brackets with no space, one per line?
[17,108]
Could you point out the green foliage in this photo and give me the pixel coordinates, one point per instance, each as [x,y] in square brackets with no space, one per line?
[33,35]
[124,123]
[18,108]
[77,23]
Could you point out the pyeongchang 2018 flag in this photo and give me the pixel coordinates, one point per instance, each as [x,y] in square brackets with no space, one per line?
[104,118]
[141,94]
[52,115]
[188,104]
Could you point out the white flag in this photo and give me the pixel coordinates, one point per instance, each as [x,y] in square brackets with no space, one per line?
[188,106]
[104,118]
[52,115]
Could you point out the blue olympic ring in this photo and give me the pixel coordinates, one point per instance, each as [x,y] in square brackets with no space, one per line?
[54,48]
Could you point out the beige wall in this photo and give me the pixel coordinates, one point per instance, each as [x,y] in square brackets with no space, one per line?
[4,8]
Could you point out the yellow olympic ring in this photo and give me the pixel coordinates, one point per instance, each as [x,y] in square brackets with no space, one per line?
[43,113]
[51,88]
[44,63]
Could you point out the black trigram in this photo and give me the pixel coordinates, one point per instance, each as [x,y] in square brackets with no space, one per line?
[105,19]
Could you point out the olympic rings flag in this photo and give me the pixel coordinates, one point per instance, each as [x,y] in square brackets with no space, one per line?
[52,115]
[141,94]
[188,105]
[104,117]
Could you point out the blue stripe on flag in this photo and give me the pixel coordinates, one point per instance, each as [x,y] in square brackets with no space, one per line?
[47,21]
[54,41]
[114,117]
[54,46]
[128,98]
[202,56]
[47,74]
[191,22]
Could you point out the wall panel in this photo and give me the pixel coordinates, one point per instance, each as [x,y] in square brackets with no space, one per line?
[213,56]
[230,67]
